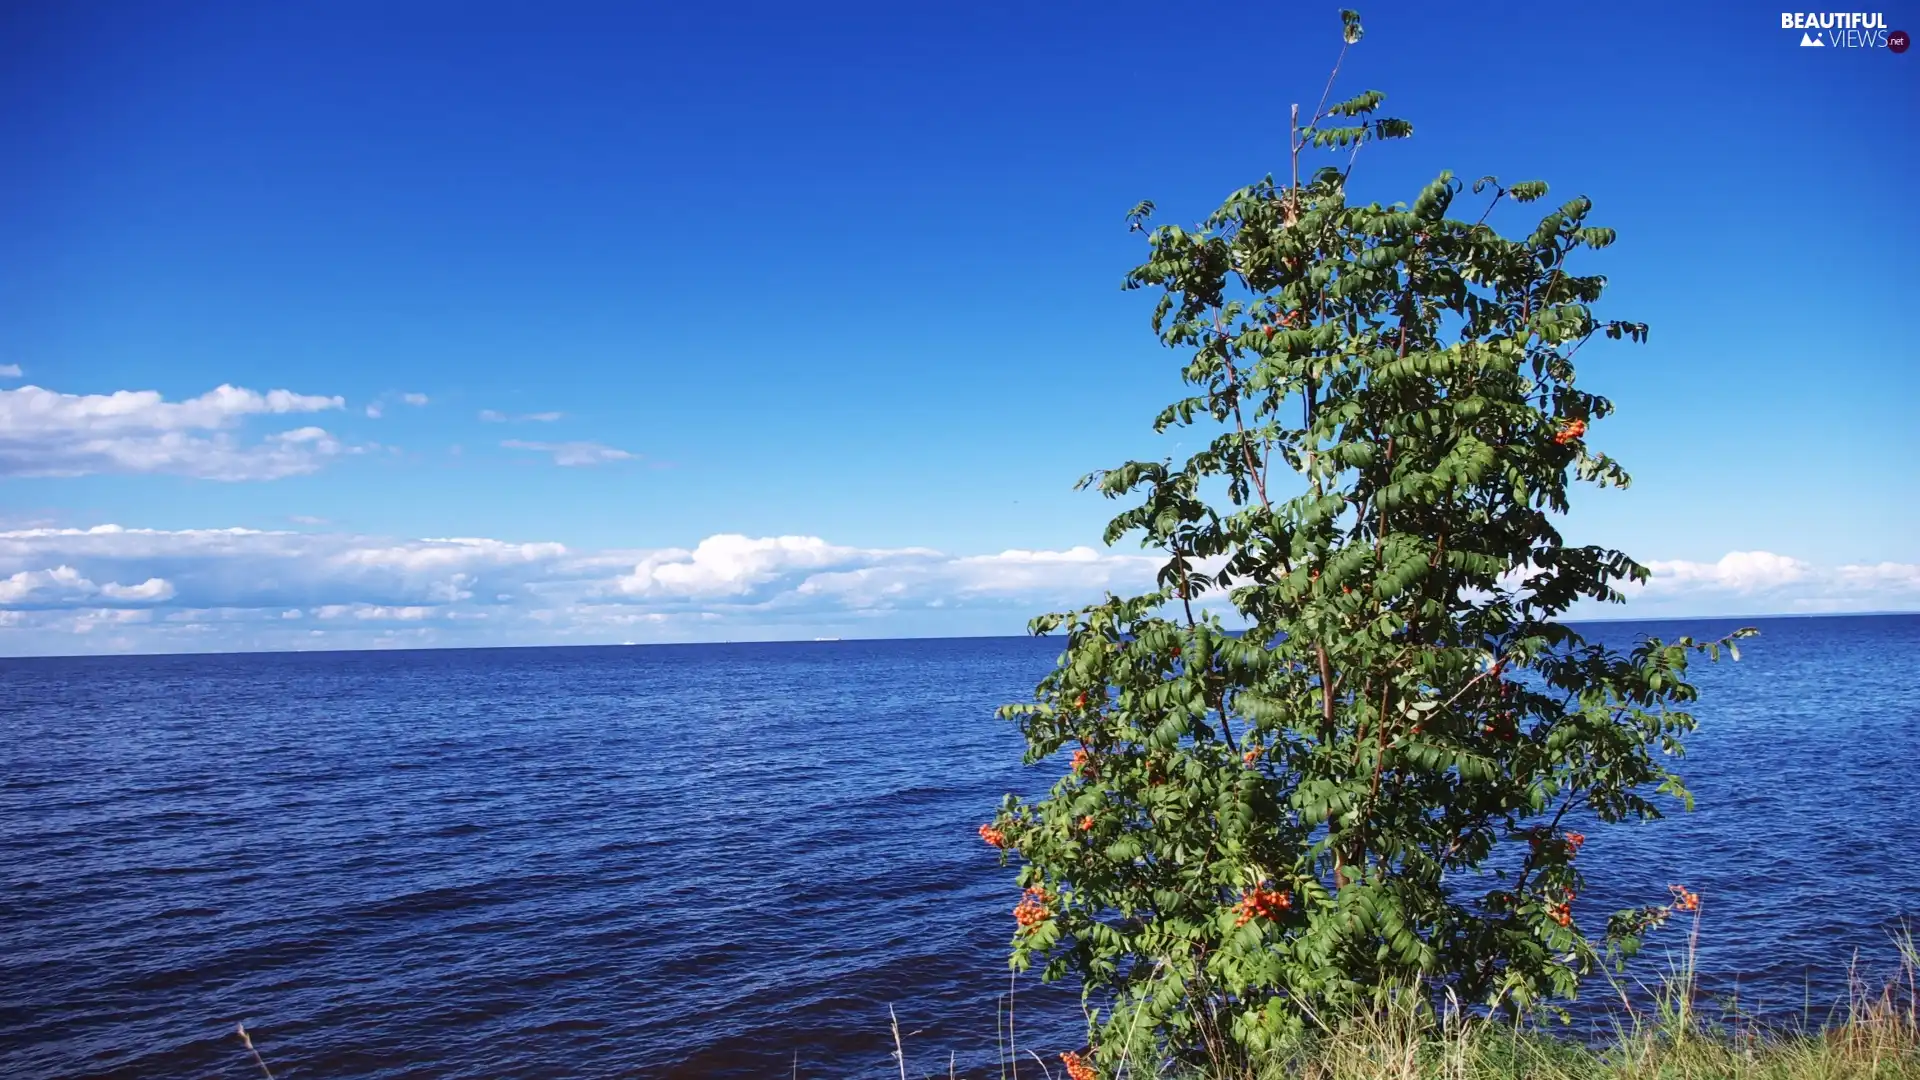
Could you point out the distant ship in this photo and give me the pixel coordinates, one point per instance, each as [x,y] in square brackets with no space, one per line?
[826,639]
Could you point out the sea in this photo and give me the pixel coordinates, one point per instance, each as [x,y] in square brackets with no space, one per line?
[743,860]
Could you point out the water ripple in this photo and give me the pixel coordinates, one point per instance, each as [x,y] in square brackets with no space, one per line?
[721,860]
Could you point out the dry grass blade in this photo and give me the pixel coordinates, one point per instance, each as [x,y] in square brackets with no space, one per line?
[899,1051]
[247,1040]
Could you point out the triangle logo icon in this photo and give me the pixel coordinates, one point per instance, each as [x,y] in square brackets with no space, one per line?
[1809,40]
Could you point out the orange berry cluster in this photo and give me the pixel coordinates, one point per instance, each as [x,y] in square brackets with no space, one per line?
[1251,756]
[1286,320]
[1261,903]
[1086,823]
[1570,431]
[994,837]
[1083,763]
[1561,913]
[1684,900]
[1031,911]
[1077,1067]
[1538,839]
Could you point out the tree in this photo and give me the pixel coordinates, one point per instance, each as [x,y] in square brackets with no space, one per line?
[1370,787]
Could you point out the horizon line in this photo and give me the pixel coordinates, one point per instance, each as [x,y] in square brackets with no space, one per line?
[840,640]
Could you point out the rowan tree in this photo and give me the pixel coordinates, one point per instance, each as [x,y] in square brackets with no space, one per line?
[1364,785]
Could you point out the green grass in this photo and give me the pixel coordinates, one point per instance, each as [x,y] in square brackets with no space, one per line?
[1875,1036]
[1665,1034]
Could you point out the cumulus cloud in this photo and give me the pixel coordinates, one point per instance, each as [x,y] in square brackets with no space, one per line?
[63,586]
[120,589]
[734,566]
[415,400]
[1052,576]
[9,371]
[244,588]
[248,569]
[572,453]
[1761,582]
[47,433]
[1738,571]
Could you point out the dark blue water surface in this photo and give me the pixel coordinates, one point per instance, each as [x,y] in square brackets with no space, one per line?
[720,860]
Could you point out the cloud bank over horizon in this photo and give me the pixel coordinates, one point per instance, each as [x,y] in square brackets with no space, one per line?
[111,589]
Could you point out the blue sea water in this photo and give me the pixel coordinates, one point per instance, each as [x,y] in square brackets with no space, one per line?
[731,860]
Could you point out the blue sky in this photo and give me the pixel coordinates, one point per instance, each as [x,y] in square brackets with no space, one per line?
[846,275]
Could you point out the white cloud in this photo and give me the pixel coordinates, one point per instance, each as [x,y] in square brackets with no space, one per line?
[374,612]
[572,453]
[251,569]
[243,588]
[9,371]
[378,407]
[494,416]
[118,589]
[46,433]
[150,590]
[436,556]
[734,566]
[1053,576]
[1738,571]
[1761,582]
[63,586]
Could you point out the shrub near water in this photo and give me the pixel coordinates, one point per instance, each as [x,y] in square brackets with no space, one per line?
[1261,831]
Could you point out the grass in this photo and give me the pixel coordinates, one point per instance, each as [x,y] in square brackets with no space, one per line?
[1875,1035]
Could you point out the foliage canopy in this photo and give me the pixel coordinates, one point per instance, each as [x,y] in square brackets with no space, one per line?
[1371,785]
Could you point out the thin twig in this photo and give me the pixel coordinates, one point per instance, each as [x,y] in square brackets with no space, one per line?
[1321,109]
